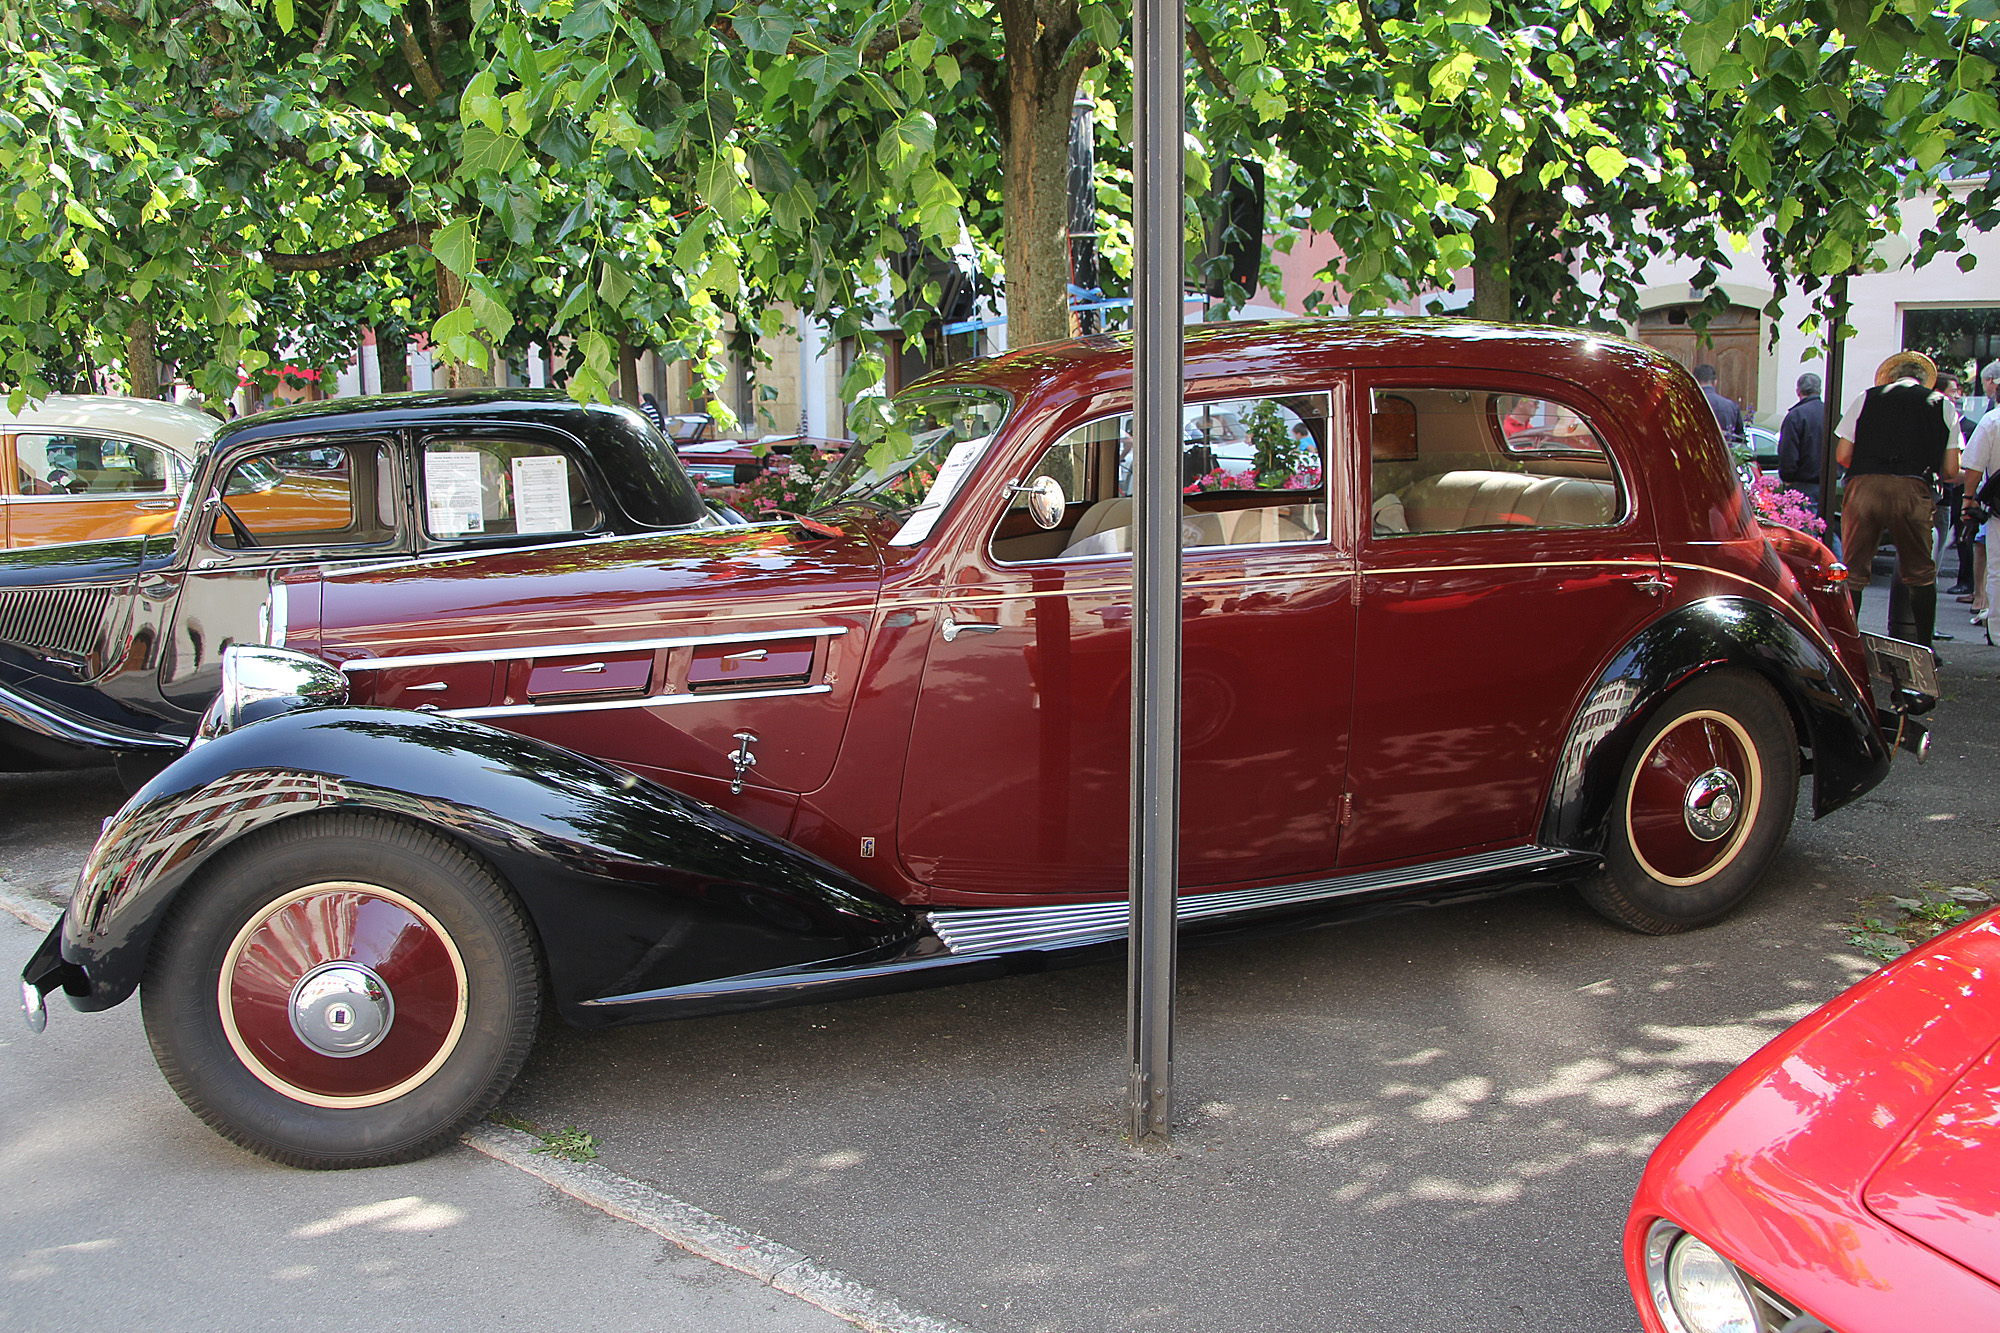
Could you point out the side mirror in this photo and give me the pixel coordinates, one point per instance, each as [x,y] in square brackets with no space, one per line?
[1046,501]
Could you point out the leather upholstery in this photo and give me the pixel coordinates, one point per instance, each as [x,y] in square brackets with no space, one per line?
[1452,501]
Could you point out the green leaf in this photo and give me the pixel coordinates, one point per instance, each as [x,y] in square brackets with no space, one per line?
[489,308]
[281,10]
[453,247]
[768,30]
[590,20]
[484,153]
[1476,12]
[692,246]
[1703,45]
[906,143]
[1975,107]
[1606,162]
[1752,156]
[1450,78]
[718,182]
[613,286]
[481,102]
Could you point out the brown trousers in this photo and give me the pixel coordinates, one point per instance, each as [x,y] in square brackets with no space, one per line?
[1898,508]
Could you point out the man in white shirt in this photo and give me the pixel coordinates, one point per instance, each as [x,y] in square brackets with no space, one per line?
[1982,458]
[1897,441]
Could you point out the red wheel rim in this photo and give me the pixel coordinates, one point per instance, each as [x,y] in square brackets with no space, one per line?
[1694,797]
[415,998]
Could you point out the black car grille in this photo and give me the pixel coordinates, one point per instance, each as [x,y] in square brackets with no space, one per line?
[61,620]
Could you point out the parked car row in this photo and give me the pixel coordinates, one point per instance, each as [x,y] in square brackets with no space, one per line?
[460,701]
[78,467]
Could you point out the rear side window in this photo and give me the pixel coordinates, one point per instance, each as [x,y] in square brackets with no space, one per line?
[80,464]
[1464,460]
[502,488]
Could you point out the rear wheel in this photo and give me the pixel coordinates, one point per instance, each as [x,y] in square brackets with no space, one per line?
[1704,802]
[346,991]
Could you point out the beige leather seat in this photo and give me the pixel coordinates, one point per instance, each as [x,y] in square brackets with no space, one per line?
[1452,501]
[1106,529]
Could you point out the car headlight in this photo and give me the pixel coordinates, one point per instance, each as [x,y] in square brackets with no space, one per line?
[1694,1289]
[260,682]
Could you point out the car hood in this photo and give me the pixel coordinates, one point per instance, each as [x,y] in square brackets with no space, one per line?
[630,587]
[113,561]
[1942,1184]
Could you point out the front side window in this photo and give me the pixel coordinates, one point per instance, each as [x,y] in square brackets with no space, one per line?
[81,464]
[915,471]
[1468,460]
[502,488]
[1252,471]
[329,495]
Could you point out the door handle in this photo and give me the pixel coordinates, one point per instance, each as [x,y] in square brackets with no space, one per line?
[156,504]
[952,628]
[587,667]
[753,655]
[1654,584]
[429,685]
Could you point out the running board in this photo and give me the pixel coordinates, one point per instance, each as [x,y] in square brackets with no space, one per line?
[980,943]
[1007,929]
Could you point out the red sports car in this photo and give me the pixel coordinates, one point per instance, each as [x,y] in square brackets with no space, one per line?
[1847,1176]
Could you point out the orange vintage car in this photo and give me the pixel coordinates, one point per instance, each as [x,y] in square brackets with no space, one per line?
[84,467]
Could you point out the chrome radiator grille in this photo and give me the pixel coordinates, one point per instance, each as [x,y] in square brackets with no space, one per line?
[63,620]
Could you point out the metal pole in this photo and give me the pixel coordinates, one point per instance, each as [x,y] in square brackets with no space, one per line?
[1159,89]
[1836,360]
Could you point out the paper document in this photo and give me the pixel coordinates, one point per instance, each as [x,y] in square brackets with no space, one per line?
[945,485]
[451,494]
[541,494]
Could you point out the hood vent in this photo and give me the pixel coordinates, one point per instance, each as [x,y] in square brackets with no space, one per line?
[53,620]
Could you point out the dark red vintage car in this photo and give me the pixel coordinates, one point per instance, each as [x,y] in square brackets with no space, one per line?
[1847,1176]
[659,775]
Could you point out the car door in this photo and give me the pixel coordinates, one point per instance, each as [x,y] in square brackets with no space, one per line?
[1507,554]
[277,516]
[75,485]
[1017,777]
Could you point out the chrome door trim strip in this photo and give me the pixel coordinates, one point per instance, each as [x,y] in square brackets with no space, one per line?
[576,649]
[651,701]
[1006,929]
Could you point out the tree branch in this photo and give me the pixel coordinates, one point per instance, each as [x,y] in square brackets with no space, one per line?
[116,15]
[420,67]
[373,247]
[326,32]
[1372,31]
[1198,48]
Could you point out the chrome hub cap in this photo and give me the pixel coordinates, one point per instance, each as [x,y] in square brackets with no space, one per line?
[341,1009]
[1711,805]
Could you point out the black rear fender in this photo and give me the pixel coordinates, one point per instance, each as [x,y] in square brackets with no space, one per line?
[630,886]
[1833,720]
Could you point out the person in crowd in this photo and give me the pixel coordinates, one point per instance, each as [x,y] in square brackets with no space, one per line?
[1982,457]
[1727,414]
[1802,441]
[1945,519]
[651,407]
[1897,441]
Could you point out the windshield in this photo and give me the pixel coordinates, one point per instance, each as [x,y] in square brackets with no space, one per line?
[916,469]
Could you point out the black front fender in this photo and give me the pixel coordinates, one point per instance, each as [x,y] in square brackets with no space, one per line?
[630,886]
[1835,721]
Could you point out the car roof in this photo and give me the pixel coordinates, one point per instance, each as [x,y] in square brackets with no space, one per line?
[181,428]
[1251,346]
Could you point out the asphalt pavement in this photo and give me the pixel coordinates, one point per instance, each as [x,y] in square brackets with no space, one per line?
[1426,1122]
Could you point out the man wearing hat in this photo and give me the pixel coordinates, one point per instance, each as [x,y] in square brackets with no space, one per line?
[1897,440]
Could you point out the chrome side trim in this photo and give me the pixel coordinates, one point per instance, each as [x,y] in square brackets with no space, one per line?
[1004,929]
[573,649]
[652,701]
[59,724]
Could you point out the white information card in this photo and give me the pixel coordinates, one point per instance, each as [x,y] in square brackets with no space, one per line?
[451,494]
[541,494]
[945,485]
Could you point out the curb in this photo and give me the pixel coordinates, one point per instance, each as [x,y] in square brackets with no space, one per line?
[777,1266]
[37,914]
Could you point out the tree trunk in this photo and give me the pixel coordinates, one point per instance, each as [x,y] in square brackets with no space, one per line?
[461,375]
[392,358]
[1035,111]
[628,373]
[1493,260]
[142,355]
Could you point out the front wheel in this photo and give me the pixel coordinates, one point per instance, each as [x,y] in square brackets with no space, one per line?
[342,991]
[1704,802]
